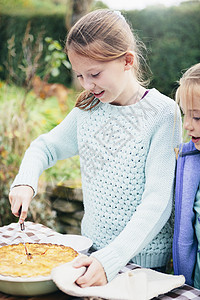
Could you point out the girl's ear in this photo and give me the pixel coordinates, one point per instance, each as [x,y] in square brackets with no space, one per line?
[129,60]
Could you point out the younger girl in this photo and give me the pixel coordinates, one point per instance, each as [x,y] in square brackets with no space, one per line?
[186,244]
[125,137]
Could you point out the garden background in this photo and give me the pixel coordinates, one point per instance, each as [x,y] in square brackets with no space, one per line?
[32,36]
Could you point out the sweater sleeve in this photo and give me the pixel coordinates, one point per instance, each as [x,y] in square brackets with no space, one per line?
[156,203]
[59,143]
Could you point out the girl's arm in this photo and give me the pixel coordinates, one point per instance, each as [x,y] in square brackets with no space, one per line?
[59,143]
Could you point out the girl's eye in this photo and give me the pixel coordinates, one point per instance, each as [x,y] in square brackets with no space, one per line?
[95,75]
[79,76]
[196,119]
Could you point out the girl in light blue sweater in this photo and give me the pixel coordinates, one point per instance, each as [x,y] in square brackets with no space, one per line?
[125,136]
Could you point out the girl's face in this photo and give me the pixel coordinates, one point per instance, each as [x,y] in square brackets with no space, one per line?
[110,82]
[191,110]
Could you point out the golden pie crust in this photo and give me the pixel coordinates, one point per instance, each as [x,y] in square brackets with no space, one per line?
[41,260]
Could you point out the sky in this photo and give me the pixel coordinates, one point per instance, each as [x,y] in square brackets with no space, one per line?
[138,4]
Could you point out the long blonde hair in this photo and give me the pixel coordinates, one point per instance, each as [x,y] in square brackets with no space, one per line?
[104,35]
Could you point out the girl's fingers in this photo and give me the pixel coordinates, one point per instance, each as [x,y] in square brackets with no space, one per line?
[82,261]
[15,208]
[94,275]
[23,216]
[20,198]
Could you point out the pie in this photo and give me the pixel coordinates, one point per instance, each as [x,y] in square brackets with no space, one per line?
[39,259]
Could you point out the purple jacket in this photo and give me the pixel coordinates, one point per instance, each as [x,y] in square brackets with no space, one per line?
[187,181]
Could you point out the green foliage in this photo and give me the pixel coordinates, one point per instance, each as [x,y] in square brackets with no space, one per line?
[55,58]
[172,39]
[32,6]
[17,129]
[24,72]
[98,5]
[12,127]
[27,35]
[170,34]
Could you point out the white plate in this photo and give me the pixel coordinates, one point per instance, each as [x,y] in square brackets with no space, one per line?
[78,242]
[32,286]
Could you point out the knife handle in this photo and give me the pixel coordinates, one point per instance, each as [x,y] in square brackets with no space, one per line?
[22,226]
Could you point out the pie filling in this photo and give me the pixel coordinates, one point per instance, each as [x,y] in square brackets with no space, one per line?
[39,260]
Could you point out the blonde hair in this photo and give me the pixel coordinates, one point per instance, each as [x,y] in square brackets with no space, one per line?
[103,35]
[188,82]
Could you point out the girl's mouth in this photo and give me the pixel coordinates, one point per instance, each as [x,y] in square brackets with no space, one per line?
[195,139]
[99,95]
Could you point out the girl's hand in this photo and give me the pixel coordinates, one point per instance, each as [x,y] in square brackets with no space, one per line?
[94,275]
[20,197]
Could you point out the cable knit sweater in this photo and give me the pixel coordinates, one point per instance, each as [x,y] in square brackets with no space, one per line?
[127,163]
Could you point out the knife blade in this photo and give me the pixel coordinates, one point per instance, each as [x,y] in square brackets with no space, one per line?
[22,227]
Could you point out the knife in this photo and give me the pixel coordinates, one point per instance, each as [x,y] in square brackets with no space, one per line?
[22,227]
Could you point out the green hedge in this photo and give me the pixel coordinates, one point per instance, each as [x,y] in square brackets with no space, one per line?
[172,37]
[52,25]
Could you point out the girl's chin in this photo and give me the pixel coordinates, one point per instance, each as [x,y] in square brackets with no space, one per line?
[196,142]
[197,147]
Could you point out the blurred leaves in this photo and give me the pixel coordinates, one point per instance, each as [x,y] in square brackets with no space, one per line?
[55,58]
[172,39]
[17,129]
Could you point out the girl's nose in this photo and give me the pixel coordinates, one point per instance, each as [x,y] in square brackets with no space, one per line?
[88,84]
[187,124]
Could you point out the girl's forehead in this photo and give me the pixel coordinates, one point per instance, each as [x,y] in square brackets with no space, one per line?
[190,97]
[80,61]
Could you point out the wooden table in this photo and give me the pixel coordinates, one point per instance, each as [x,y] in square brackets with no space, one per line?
[183,293]
[54,296]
